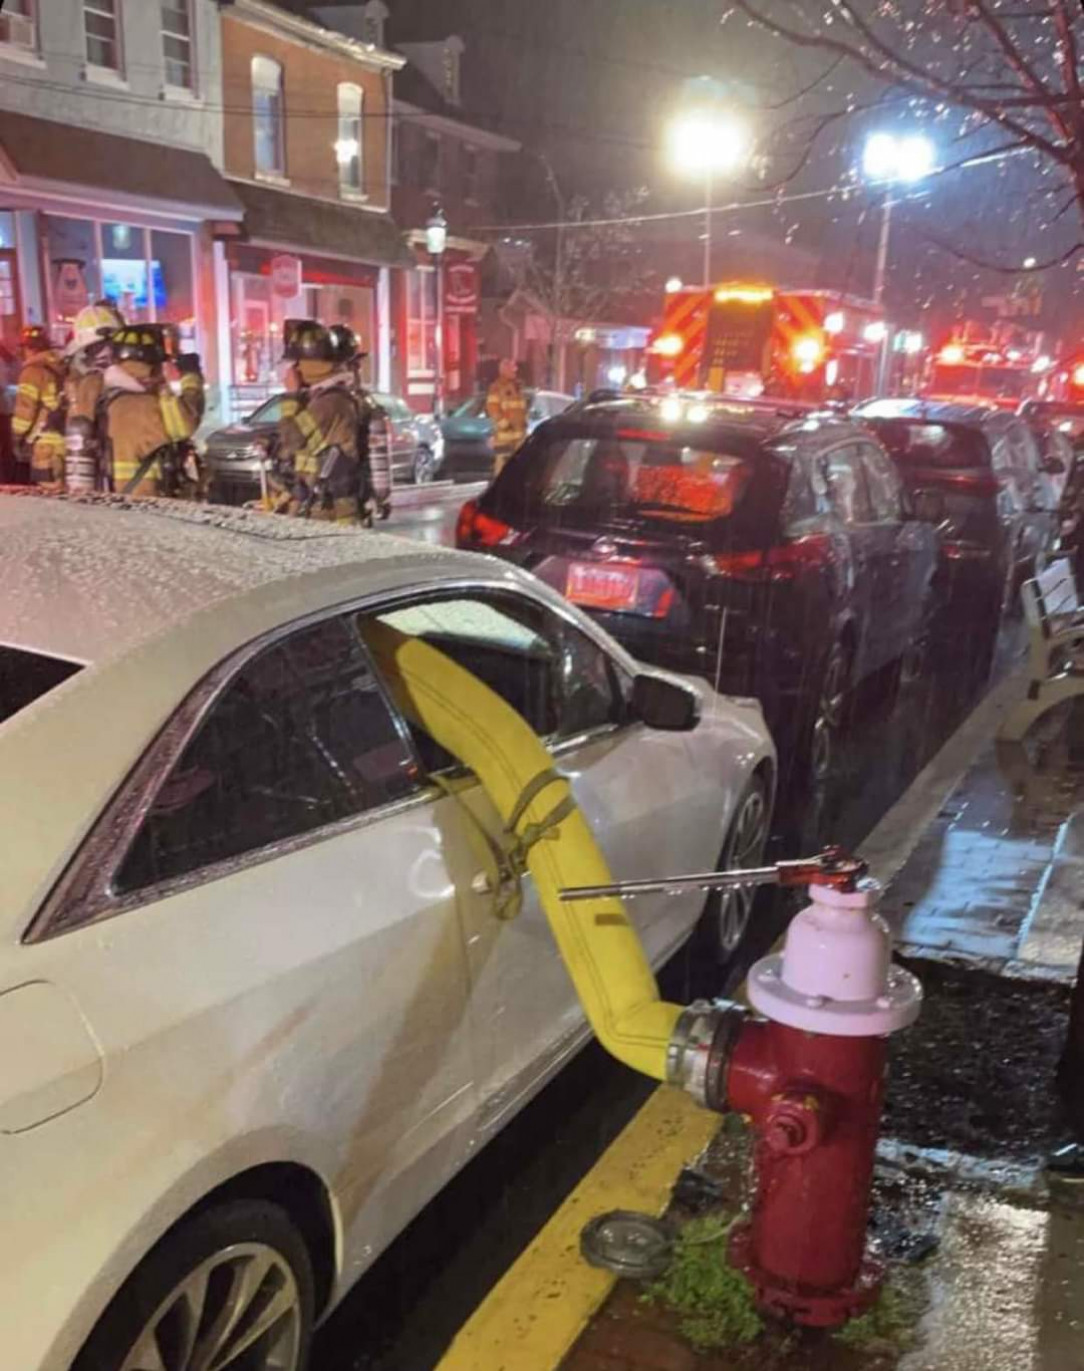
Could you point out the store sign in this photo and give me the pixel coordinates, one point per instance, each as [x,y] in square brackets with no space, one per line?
[460,288]
[286,276]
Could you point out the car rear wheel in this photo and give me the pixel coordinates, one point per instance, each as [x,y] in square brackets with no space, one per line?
[230,1288]
[728,913]
[425,466]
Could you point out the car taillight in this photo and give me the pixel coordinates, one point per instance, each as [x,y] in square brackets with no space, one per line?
[972,483]
[781,563]
[474,528]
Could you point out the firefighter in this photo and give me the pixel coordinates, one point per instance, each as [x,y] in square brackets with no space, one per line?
[506,407]
[88,355]
[37,424]
[143,425]
[321,446]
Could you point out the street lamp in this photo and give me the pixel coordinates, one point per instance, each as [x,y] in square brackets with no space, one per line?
[707,143]
[891,159]
[436,240]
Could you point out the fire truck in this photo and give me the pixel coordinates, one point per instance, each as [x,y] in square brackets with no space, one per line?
[745,340]
[1001,365]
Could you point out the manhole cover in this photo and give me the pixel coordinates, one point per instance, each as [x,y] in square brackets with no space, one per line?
[628,1244]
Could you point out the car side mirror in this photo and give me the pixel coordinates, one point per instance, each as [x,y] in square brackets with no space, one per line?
[664,704]
[928,506]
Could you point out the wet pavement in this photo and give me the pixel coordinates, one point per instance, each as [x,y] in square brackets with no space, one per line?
[428,513]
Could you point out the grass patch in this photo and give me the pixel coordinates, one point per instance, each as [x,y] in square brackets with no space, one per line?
[890,1322]
[713,1302]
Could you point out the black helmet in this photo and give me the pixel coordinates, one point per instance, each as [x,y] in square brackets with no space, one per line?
[344,343]
[35,338]
[306,340]
[139,343]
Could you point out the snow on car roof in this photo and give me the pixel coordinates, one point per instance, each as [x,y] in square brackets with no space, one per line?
[88,578]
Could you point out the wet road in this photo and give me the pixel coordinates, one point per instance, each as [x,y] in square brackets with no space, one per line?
[428,513]
[405,1311]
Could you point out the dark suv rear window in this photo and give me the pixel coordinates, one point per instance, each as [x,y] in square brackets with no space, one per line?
[27,676]
[918,443]
[632,472]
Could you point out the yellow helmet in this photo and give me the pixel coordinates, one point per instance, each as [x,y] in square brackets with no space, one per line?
[93,324]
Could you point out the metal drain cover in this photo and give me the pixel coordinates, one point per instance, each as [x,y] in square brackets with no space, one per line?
[637,1246]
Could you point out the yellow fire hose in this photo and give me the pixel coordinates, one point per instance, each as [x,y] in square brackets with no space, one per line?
[601,948]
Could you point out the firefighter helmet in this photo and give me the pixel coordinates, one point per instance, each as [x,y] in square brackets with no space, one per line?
[139,343]
[307,340]
[93,325]
[344,343]
[34,338]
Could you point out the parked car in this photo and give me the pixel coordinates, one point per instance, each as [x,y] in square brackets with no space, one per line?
[248,963]
[1001,516]
[773,555]
[232,455]
[468,432]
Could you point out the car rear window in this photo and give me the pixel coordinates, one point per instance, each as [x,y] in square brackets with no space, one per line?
[27,676]
[630,471]
[918,443]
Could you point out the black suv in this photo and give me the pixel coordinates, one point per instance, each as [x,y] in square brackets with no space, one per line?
[772,553]
[1000,505]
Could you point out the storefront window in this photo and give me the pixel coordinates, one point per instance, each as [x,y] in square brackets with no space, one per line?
[171,271]
[422,322]
[126,278]
[74,279]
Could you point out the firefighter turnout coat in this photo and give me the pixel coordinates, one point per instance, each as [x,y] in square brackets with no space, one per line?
[506,408]
[136,417]
[321,451]
[38,421]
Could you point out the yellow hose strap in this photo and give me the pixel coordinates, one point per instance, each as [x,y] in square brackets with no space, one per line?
[543,827]
[506,883]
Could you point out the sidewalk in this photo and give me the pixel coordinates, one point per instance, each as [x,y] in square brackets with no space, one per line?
[988,1264]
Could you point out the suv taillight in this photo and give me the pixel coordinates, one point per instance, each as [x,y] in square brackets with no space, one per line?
[781,563]
[474,529]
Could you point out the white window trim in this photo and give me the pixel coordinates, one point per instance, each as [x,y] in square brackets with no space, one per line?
[105,76]
[27,57]
[115,75]
[346,191]
[276,178]
[272,178]
[193,90]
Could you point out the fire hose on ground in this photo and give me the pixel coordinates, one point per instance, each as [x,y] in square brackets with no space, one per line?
[809,1073]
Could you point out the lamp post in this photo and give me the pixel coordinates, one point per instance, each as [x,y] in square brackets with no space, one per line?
[889,159]
[436,240]
[707,142]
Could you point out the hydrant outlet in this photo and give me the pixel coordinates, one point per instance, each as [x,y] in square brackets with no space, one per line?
[704,1040]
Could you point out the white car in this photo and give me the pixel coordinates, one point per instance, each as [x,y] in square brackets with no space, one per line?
[255,1005]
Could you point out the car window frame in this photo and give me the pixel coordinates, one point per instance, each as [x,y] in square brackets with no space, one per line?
[854,443]
[556,745]
[83,895]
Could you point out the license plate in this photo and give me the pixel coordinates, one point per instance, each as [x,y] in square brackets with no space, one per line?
[602,587]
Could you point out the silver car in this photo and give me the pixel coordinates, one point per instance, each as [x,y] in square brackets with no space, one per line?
[233,455]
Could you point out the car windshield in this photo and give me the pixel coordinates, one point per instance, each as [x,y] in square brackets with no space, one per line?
[629,472]
[270,412]
[918,443]
[473,408]
[27,676]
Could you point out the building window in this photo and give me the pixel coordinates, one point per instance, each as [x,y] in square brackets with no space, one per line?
[17,25]
[421,322]
[468,170]
[177,43]
[268,117]
[348,145]
[429,162]
[102,22]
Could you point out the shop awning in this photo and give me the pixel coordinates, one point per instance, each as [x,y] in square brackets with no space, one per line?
[40,155]
[295,221]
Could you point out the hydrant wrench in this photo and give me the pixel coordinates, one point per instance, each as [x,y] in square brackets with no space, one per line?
[833,868]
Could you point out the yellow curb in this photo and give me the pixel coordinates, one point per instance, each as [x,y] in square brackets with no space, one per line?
[539,1307]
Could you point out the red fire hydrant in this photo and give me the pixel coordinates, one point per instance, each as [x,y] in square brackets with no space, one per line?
[810,1076]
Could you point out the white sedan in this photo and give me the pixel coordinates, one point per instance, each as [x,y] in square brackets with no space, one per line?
[255,1005]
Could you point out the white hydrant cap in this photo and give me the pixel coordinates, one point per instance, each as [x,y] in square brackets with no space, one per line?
[835,974]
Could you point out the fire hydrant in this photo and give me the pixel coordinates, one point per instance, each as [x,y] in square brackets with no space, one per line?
[810,1077]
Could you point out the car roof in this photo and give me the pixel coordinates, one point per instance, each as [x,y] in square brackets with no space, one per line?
[746,421]
[90,579]
[932,411]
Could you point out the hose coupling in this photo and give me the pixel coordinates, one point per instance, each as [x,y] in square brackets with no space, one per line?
[701,1047]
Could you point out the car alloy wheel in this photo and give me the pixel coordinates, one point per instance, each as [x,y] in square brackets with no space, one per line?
[828,719]
[425,467]
[744,848]
[239,1310]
